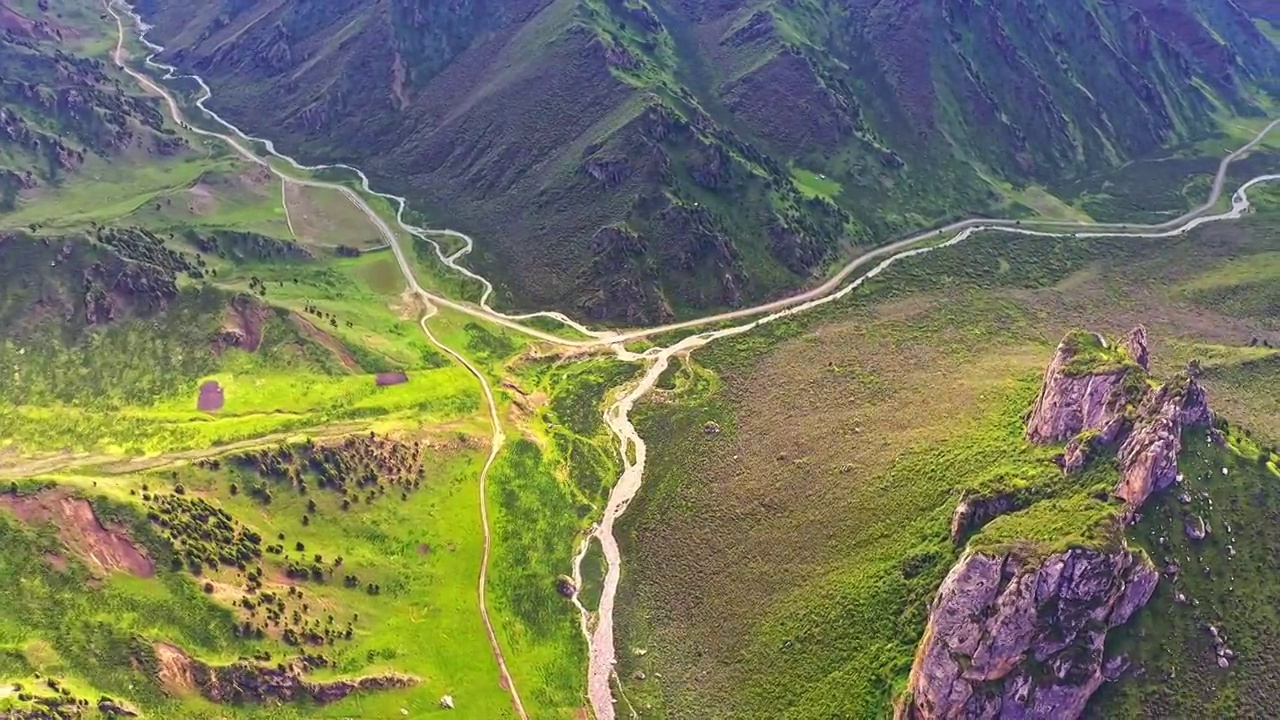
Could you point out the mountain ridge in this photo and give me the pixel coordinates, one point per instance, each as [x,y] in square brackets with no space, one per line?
[634,160]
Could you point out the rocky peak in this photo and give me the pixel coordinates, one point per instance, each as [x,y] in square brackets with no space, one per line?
[1096,397]
[1018,633]
[1135,344]
[1149,455]
[1082,388]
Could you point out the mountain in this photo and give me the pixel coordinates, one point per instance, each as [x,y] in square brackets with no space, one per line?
[640,159]
[59,108]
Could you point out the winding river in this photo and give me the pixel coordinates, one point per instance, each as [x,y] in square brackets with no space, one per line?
[597,625]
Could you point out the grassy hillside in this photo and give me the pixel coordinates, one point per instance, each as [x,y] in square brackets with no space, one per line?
[783,566]
[642,159]
[197,436]
[1224,582]
[60,108]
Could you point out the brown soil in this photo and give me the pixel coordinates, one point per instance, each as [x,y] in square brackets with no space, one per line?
[107,549]
[326,341]
[242,325]
[328,218]
[257,178]
[424,549]
[57,562]
[175,669]
[524,407]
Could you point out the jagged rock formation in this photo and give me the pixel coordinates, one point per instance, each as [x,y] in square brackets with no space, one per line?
[1013,638]
[245,681]
[1096,396]
[1083,388]
[974,511]
[1149,456]
[1018,634]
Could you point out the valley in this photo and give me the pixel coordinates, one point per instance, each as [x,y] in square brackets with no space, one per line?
[500,431]
[711,155]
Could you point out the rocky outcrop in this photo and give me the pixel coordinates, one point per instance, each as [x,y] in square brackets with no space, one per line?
[1135,344]
[250,682]
[1017,638]
[1096,397]
[1020,633]
[242,325]
[1072,402]
[1149,455]
[245,681]
[976,510]
[1195,527]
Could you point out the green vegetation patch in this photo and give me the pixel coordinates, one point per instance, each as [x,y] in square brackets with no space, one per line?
[1053,526]
[1091,354]
[1226,581]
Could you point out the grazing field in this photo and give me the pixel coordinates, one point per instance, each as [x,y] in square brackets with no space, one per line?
[247,474]
[783,565]
[326,218]
[392,588]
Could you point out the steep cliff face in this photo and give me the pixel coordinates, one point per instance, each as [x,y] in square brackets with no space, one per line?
[1017,630]
[1015,638]
[1149,456]
[1096,398]
[1083,388]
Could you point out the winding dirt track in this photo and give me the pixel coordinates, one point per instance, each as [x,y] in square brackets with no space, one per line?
[597,626]
[498,438]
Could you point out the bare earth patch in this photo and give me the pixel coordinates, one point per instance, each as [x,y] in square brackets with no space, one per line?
[201,200]
[327,341]
[242,325]
[326,217]
[175,669]
[107,549]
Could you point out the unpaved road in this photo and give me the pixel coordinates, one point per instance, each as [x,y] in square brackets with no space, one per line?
[598,625]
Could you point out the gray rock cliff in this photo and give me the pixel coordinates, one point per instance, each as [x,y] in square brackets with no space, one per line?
[1017,638]
[1012,635]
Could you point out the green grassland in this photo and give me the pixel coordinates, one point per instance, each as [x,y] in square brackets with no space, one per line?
[422,550]
[104,398]
[77,394]
[783,567]
[1225,581]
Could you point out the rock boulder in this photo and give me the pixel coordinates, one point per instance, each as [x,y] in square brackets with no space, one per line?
[1013,637]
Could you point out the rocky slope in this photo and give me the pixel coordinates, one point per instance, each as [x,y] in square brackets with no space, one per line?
[1096,396]
[58,108]
[1018,627]
[244,681]
[635,159]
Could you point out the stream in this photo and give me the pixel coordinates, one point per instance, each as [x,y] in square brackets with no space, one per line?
[597,626]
